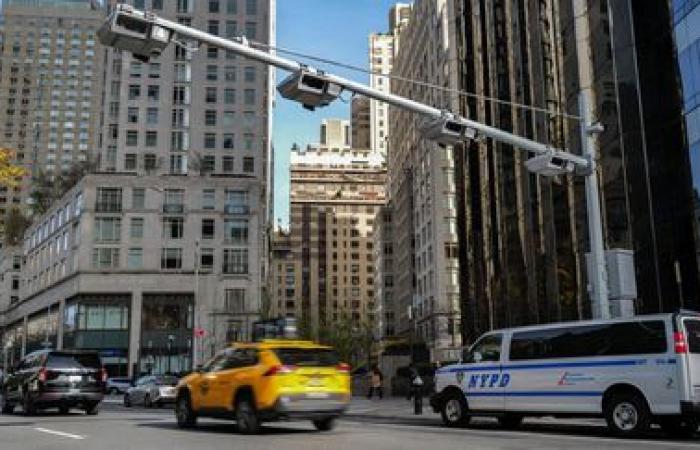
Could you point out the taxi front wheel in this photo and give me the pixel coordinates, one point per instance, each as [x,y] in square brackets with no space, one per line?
[246,416]
[185,416]
[324,424]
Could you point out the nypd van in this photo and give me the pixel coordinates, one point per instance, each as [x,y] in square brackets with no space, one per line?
[634,372]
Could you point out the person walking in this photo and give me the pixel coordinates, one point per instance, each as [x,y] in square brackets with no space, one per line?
[376,383]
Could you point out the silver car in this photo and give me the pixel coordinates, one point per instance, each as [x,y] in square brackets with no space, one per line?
[151,390]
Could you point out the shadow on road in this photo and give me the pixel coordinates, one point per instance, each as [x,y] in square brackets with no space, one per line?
[224,428]
[551,429]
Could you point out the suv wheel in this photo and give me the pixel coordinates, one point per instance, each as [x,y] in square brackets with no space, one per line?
[27,404]
[91,409]
[185,416]
[6,406]
[246,415]
[325,424]
[147,401]
[627,414]
[63,409]
[455,412]
[127,400]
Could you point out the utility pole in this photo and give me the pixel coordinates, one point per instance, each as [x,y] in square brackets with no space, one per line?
[598,276]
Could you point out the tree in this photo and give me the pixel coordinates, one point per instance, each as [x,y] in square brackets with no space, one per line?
[48,188]
[16,223]
[9,173]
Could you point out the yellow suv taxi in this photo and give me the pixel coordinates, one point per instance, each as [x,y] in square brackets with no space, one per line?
[266,381]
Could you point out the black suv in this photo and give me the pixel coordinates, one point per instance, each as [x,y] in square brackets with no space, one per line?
[55,378]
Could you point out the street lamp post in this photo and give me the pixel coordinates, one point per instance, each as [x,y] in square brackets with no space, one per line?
[146,35]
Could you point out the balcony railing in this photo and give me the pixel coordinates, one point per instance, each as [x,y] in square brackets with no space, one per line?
[173,208]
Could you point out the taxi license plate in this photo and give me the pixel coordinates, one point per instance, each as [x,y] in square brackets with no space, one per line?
[315,382]
[317,395]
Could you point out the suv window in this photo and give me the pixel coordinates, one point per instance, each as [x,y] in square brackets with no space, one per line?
[486,349]
[73,361]
[307,356]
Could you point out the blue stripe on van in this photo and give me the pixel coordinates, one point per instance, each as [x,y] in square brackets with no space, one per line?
[563,365]
[535,394]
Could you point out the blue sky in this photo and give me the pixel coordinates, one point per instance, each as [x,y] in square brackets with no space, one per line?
[334,29]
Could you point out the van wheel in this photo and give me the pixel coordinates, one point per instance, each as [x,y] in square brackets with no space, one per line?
[679,427]
[185,416]
[510,421]
[455,412]
[246,416]
[627,414]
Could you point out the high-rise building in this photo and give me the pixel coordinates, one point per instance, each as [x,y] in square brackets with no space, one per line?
[49,74]
[163,254]
[335,193]
[523,237]
[421,188]
[360,124]
[686,17]
[382,51]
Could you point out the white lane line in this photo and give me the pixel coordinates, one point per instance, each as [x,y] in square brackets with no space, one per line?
[60,433]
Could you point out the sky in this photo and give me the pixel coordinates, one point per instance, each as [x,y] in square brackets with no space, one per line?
[332,29]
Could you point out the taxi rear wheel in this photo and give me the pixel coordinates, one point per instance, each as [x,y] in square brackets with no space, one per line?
[246,416]
[455,412]
[185,416]
[324,424]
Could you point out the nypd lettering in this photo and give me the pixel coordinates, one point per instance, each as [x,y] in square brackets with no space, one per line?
[488,380]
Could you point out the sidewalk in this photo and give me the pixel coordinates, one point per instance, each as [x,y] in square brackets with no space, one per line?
[390,407]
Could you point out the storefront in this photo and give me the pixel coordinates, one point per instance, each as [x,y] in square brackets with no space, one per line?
[100,322]
[166,333]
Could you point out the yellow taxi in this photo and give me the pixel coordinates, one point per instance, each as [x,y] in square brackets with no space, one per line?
[264,381]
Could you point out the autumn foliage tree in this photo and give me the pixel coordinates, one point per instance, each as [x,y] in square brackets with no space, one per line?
[9,172]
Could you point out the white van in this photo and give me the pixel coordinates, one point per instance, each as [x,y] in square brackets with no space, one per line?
[633,372]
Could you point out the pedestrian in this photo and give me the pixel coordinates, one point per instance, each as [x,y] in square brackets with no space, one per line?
[376,382]
[416,390]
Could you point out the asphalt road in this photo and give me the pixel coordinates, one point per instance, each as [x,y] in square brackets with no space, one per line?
[120,428]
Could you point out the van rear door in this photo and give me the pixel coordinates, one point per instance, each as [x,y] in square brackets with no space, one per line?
[691,329]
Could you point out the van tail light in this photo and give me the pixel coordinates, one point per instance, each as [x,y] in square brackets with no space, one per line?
[343,367]
[42,375]
[278,370]
[679,344]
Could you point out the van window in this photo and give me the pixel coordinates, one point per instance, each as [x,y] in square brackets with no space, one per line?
[626,338]
[692,331]
[486,349]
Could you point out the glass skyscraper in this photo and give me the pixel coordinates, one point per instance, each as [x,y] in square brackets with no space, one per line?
[686,14]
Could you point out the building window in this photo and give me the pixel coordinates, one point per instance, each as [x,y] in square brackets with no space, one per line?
[249,74]
[236,231]
[105,258]
[234,300]
[210,140]
[153,93]
[212,52]
[232,6]
[132,138]
[132,115]
[134,91]
[151,138]
[249,96]
[230,73]
[213,27]
[178,164]
[157,4]
[136,228]
[138,198]
[174,201]
[171,258]
[150,161]
[227,164]
[130,161]
[236,202]
[229,117]
[152,116]
[206,259]
[208,229]
[173,227]
[135,258]
[235,261]
[107,229]
[208,163]
[108,200]
[228,141]
[210,95]
[208,199]
[210,118]
[229,96]
[250,30]
[213,6]
[248,164]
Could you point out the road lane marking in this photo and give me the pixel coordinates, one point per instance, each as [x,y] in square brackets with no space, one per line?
[60,433]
